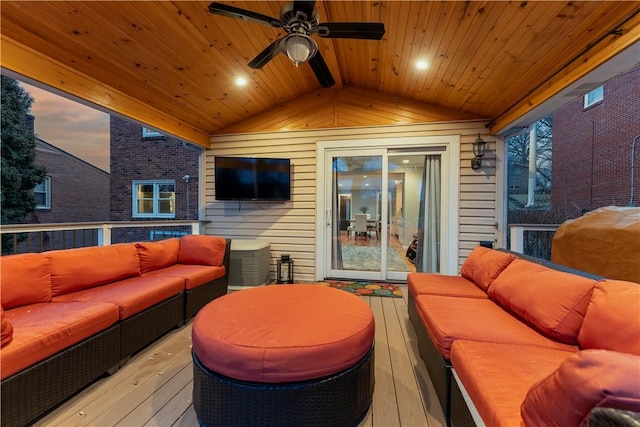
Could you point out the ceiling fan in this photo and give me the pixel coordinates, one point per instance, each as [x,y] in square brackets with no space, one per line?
[299,19]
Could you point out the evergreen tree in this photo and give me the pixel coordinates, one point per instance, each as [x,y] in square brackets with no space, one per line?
[19,174]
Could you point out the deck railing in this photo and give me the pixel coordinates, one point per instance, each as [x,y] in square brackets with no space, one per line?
[533,239]
[22,238]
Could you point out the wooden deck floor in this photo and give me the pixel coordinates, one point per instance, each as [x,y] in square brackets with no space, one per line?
[154,388]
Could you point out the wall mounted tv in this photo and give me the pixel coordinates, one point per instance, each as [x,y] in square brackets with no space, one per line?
[251,178]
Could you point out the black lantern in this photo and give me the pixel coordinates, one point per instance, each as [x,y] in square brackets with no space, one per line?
[478,152]
[284,269]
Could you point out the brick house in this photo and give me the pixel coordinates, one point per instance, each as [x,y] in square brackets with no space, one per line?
[153,176]
[73,191]
[592,147]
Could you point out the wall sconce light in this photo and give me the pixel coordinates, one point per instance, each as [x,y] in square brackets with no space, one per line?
[478,152]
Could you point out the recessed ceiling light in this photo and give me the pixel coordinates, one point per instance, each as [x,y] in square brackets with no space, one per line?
[422,65]
[241,81]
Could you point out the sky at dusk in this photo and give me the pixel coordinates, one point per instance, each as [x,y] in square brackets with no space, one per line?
[77,129]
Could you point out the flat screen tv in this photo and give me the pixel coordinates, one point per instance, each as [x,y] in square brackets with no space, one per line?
[251,178]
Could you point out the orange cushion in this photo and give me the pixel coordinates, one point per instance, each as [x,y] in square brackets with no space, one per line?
[497,377]
[438,284]
[284,333]
[551,301]
[26,279]
[194,275]
[612,321]
[6,330]
[483,265]
[82,268]
[447,319]
[132,296]
[588,379]
[42,330]
[203,250]
[157,255]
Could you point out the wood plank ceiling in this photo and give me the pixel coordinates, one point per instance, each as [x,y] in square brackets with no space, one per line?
[172,65]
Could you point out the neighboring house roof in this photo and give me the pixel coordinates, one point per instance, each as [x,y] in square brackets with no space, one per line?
[42,145]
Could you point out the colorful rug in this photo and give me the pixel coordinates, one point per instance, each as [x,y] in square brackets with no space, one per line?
[365,288]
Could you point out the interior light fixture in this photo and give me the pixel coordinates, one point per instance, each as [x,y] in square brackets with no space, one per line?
[478,152]
[405,162]
[241,81]
[299,47]
[422,65]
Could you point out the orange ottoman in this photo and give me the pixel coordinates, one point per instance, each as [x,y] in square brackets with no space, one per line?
[283,355]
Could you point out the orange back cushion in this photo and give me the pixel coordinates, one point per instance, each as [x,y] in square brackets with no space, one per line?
[157,255]
[483,266]
[83,268]
[26,279]
[202,250]
[6,330]
[551,301]
[587,379]
[612,321]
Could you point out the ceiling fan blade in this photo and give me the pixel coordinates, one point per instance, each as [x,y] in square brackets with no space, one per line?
[352,30]
[320,69]
[242,14]
[305,7]
[266,55]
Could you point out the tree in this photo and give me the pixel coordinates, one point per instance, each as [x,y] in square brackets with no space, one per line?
[518,152]
[19,173]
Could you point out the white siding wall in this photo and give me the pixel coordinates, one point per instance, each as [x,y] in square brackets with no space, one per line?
[290,226]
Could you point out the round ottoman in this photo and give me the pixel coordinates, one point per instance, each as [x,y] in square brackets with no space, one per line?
[283,355]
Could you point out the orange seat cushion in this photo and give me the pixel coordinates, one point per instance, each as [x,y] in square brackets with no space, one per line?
[483,266]
[42,330]
[447,319]
[588,379]
[82,268]
[18,270]
[6,329]
[194,275]
[497,377]
[277,334]
[553,302]
[132,296]
[438,284]
[157,255]
[203,250]
[612,321]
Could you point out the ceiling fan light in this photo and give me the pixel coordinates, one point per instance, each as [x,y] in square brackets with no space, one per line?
[299,48]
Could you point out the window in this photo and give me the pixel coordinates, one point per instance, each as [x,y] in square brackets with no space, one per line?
[42,194]
[154,199]
[150,133]
[594,97]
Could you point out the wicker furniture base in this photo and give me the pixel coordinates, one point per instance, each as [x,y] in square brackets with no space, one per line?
[460,414]
[438,368]
[342,399]
[32,392]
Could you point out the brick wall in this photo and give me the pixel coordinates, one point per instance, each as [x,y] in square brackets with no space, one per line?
[592,149]
[79,191]
[136,158]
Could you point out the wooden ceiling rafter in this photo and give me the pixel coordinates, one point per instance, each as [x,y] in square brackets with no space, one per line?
[499,60]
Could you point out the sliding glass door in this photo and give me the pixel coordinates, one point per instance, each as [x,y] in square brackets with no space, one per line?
[383,210]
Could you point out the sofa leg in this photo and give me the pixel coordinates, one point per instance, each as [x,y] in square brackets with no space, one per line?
[124,361]
[113,369]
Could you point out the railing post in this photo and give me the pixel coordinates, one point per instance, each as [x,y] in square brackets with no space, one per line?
[517,238]
[104,235]
[195,228]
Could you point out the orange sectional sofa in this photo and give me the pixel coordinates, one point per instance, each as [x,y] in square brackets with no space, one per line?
[70,316]
[514,340]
